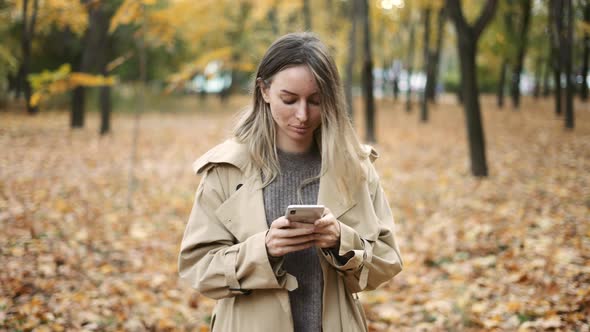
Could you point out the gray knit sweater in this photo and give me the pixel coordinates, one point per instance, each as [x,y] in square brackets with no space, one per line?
[306,300]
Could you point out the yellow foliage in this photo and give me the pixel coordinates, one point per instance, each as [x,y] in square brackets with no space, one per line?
[65,14]
[7,58]
[35,98]
[128,12]
[83,79]
[583,27]
[50,83]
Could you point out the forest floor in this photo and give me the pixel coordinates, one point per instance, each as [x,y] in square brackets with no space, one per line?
[506,252]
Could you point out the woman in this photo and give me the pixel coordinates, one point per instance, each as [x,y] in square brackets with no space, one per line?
[294,146]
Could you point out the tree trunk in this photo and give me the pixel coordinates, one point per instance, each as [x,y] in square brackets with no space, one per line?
[427,64]
[526,6]
[546,74]
[78,102]
[396,69]
[538,75]
[409,63]
[567,47]
[502,83]
[105,108]
[26,41]
[557,90]
[467,49]
[105,91]
[467,54]
[351,57]
[19,82]
[555,31]
[433,79]
[584,73]
[368,75]
[91,55]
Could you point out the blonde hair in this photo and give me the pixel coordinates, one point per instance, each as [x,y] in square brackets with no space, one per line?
[338,144]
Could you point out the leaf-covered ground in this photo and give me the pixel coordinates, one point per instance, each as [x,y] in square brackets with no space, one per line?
[510,252]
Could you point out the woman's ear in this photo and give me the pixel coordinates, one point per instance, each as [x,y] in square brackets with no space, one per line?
[263,89]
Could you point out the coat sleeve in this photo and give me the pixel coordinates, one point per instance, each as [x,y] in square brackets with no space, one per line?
[212,261]
[367,263]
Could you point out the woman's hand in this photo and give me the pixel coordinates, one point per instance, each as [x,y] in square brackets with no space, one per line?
[327,231]
[285,236]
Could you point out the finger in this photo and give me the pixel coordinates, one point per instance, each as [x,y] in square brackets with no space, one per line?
[324,221]
[281,222]
[325,230]
[326,212]
[290,241]
[325,237]
[297,224]
[288,249]
[291,232]
[326,243]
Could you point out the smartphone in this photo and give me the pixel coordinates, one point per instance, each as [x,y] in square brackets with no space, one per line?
[304,213]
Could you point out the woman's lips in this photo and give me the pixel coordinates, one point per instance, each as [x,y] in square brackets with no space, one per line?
[300,130]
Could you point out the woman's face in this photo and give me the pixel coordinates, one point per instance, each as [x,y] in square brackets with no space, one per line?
[294,102]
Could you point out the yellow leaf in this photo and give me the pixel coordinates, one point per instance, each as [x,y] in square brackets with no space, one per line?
[106,269]
[513,306]
[62,206]
[35,99]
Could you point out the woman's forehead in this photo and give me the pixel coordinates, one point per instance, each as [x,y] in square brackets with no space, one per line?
[295,80]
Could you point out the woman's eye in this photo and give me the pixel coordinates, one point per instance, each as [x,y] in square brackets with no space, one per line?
[314,102]
[289,101]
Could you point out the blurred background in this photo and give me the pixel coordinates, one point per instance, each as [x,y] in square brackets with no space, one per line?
[478,109]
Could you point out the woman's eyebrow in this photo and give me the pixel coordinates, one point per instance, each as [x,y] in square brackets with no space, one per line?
[294,94]
[289,92]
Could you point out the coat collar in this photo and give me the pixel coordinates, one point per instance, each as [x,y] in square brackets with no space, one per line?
[228,152]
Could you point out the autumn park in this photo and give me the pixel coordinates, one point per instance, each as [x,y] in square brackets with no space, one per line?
[479,111]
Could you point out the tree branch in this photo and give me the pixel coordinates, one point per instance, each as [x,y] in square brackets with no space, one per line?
[486,15]
[456,14]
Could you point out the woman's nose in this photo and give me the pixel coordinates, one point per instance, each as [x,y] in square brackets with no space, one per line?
[301,113]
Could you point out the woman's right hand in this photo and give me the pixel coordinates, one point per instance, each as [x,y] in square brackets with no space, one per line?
[285,236]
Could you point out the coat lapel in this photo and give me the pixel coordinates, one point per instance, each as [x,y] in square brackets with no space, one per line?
[243,212]
[329,195]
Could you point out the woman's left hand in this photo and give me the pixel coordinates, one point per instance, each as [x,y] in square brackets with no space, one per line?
[327,231]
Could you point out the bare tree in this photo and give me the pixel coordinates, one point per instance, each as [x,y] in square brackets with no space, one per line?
[567,41]
[525,14]
[432,79]
[427,63]
[93,54]
[26,42]
[467,38]
[554,31]
[410,64]
[562,25]
[584,85]
[351,56]
[368,74]
[502,83]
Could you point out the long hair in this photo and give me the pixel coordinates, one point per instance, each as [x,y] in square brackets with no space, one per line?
[338,144]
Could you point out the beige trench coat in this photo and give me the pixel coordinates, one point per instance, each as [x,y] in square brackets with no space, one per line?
[223,253]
